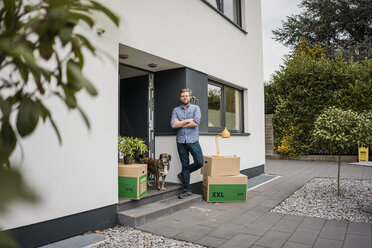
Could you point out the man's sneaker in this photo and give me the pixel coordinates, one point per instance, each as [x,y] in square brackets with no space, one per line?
[185,195]
[180,178]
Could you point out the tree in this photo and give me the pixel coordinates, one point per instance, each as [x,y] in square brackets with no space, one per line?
[339,26]
[338,130]
[41,57]
[305,85]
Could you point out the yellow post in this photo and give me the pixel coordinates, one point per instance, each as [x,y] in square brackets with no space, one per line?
[363,154]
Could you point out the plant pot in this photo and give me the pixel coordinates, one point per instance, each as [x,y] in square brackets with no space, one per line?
[128,160]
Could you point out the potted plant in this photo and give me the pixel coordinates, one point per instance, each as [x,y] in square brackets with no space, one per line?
[129,146]
[141,148]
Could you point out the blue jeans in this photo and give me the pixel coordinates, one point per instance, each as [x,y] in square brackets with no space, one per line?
[196,152]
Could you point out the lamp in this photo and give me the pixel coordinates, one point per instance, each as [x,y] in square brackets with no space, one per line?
[224,134]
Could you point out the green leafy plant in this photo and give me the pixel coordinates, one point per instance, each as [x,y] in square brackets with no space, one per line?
[306,84]
[338,131]
[141,147]
[41,57]
[128,146]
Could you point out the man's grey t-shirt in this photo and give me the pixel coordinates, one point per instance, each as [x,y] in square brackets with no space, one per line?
[187,135]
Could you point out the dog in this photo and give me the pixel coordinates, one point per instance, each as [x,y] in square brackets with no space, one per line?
[159,168]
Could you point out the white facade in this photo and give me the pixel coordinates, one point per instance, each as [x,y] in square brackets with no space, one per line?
[81,174]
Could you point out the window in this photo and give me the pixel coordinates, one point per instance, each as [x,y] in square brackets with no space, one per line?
[230,8]
[214,106]
[224,108]
[233,109]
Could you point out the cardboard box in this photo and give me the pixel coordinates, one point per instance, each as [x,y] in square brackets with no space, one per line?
[225,188]
[132,180]
[221,166]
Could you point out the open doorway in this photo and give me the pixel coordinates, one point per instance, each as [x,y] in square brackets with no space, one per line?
[136,105]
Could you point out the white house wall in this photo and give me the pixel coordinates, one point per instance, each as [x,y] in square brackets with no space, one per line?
[81,174]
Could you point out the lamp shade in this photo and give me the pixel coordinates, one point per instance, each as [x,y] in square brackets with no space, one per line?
[225,133]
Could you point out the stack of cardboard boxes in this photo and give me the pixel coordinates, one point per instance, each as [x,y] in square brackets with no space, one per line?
[222,180]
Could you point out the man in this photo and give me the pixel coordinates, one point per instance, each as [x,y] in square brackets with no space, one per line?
[186,119]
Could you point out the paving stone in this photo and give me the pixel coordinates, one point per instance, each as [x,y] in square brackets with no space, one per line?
[86,240]
[215,222]
[313,223]
[337,222]
[273,239]
[290,244]
[285,226]
[236,212]
[211,241]
[259,210]
[295,218]
[240,241]
[245,219]
[357,241]
[328,243]
[194,233]
[269,203]
[257,228]
[270,217]
[149,228]
[333,232]
[167,231]
[280,196]
[226,231]
[305,236]
[359,228]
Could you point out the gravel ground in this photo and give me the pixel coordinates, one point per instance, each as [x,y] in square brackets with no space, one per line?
[128,237]
[318,198]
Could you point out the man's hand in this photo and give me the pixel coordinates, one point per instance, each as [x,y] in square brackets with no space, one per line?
[190,124]
[185,123]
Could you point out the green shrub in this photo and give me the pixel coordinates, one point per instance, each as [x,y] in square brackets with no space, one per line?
[305,85]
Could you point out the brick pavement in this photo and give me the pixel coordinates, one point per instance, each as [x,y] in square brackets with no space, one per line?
[251,224]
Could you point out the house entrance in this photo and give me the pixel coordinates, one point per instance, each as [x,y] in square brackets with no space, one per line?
[136,105]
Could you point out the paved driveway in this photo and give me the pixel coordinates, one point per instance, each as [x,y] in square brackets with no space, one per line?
[251,224]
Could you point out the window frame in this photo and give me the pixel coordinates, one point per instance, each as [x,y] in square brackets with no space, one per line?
[223,108]
[239,23]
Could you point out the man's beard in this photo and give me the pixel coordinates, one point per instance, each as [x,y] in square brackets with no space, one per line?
[185,102]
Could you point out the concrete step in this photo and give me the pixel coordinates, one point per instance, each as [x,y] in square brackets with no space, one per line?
[152,195]
[143,214]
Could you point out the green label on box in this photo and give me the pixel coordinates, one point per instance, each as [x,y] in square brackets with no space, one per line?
[128,187]
[227,192]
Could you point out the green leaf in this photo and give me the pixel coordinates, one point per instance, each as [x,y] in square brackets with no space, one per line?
[65,35]
[46,48]
[86,43]
[78,16]
[80,56]
[105,10]
[90,88]
[28,116]
[54,125]
[76,78]
[13,187]
[8,142]
[7,241]
[85,117]
[70,98]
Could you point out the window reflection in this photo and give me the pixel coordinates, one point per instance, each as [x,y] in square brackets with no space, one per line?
[214,106]
[233,109]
